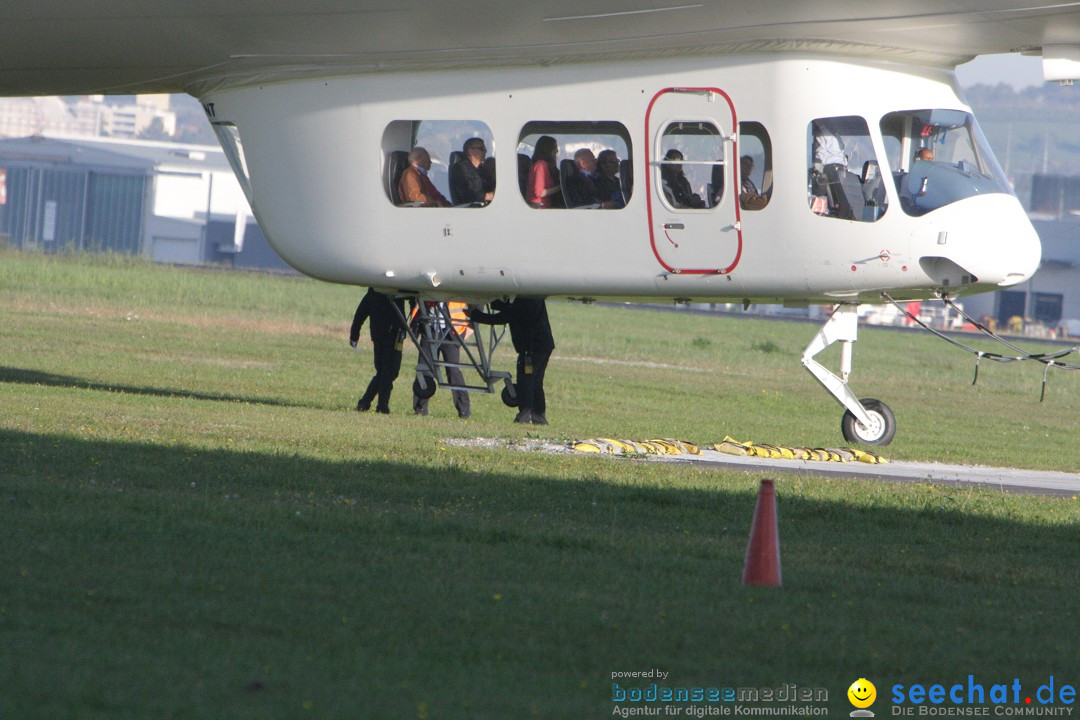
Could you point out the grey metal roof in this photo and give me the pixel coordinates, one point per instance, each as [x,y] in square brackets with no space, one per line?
[197,158]
[113,153]
[41,150]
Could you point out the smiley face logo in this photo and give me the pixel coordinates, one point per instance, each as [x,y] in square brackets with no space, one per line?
[862,693]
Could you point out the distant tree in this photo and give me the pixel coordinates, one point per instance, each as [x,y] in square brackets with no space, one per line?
[155,131]
[997,96]
[191,123]
[198,132]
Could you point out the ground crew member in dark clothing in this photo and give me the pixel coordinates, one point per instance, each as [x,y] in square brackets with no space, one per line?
[530,332]
[387,335]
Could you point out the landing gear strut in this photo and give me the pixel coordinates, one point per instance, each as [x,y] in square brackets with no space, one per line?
[867,421]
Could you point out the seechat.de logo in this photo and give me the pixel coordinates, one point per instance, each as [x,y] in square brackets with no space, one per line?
[862,695]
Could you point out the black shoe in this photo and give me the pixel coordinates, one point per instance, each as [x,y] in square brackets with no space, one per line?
[363,406]
[538,419]
[525,417]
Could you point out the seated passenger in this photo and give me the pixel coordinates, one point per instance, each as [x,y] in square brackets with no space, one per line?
[469,181]
[925,154]
[581,187]
[542,183]
[749,197]
[676,184]
[829,152]
[608,182]
[415,187]
[844,189]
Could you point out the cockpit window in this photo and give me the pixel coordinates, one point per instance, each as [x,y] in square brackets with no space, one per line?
[844,175]
[937,157]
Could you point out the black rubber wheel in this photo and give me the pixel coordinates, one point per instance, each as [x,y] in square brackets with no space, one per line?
[424,392]
[510,398]
[882,426]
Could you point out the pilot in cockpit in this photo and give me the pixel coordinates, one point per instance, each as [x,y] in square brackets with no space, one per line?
[915,183]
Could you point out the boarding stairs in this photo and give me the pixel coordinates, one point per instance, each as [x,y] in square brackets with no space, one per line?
[431,327]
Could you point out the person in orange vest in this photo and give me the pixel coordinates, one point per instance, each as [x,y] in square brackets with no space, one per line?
[449,352]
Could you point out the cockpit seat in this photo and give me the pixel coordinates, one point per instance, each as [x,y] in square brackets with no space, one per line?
[524,163]
[395,165]
[848,193]
[456,156]
[626,179]
[567,169]
[873,189]
[716,187]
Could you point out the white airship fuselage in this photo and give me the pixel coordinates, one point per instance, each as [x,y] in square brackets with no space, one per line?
[316,154]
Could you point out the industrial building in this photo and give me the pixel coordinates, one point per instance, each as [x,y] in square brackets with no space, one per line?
[1049,303]
[164,201]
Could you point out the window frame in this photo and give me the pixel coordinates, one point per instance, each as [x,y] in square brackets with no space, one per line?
[836,201]
[758,131]
[712,200]
[571,136]
[414,129]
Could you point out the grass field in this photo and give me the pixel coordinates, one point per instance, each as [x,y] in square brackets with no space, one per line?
[195,523]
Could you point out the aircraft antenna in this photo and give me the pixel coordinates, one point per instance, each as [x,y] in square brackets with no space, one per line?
[1049,360]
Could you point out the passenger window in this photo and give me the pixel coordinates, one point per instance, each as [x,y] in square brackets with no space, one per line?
[460,155]
[576,165]
[755,166]
[691,165]
[844,175]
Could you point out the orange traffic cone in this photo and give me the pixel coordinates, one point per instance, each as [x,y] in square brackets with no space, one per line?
[762,565]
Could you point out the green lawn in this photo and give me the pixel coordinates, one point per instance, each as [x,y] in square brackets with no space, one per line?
[194,523]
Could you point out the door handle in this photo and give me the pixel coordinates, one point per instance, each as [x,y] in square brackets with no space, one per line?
[674,226]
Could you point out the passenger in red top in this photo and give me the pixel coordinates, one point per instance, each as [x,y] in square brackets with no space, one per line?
[543,182]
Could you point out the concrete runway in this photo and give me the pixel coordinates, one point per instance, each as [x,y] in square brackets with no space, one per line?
[1042,482]
[1046,482]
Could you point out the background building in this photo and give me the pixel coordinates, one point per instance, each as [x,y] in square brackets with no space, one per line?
[135,116]
[1048,303]
[168,202]
[61,196]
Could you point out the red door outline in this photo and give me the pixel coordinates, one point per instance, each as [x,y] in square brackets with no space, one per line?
[649,183]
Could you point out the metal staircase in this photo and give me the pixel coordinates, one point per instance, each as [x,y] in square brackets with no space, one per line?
[430,327]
